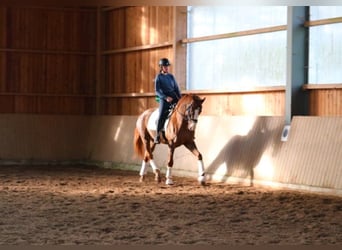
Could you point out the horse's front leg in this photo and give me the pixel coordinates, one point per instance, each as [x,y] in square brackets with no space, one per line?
[168,176]
[193,149]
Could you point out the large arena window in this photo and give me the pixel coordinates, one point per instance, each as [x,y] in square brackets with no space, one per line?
[233,47]
[325,47]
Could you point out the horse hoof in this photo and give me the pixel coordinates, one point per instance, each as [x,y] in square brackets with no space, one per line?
[169,182]
[141,179]
[157,176]
[201,180]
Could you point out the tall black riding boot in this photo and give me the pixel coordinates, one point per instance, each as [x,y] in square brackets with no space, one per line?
[159,129]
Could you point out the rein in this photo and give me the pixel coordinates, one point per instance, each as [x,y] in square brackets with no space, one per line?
[185,116]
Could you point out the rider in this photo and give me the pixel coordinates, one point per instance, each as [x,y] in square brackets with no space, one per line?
[167,91]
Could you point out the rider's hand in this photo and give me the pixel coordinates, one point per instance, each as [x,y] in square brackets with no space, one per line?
[169,99]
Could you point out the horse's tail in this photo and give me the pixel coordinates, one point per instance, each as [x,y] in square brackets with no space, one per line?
[138,144]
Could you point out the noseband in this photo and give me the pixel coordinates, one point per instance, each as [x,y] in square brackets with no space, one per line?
[188,115]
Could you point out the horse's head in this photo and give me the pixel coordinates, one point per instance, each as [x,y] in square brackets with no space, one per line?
[193,108]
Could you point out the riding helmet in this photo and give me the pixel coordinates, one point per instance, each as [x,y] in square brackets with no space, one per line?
[164,62]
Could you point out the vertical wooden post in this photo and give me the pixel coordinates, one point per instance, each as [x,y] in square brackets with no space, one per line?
[3,70]
[179,50]
[98,60]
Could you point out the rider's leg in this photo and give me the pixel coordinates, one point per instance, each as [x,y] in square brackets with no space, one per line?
[163,108]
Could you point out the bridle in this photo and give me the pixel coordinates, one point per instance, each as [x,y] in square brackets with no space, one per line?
[190,114]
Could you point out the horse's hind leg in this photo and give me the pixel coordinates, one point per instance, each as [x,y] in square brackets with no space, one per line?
[156,171]
[148,158]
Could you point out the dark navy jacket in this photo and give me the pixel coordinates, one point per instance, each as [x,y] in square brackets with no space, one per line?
[166,85]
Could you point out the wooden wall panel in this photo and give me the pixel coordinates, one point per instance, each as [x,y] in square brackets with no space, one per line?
[134,69]
[7,104]
[3,27]
[72,30]
[133,26]
[52,29]
[159,20]
[47,60]
[114,29]
[114,77]
[54,105]
[137,26]
[58,74]
[133,72]
[3,70]
[264,103]
[26,28]
[128,106]
[3,35]
[325,102]
[261,104]
[25,73]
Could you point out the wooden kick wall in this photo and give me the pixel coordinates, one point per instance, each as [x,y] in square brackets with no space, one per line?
[310,158]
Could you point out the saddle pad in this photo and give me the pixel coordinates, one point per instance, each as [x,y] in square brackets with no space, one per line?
[153,120]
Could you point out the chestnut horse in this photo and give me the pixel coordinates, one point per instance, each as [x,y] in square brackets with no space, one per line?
[179,130]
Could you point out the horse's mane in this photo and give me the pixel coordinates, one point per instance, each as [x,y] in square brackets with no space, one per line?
[185,98]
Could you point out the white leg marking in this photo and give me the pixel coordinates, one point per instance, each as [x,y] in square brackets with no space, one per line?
[169,176]
[169,172]
[200,168]
[143,169]
[153,165]
[201,174]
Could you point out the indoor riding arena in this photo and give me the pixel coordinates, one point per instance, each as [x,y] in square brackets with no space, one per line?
[75,78]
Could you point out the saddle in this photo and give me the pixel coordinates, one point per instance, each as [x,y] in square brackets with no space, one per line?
[153,120]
